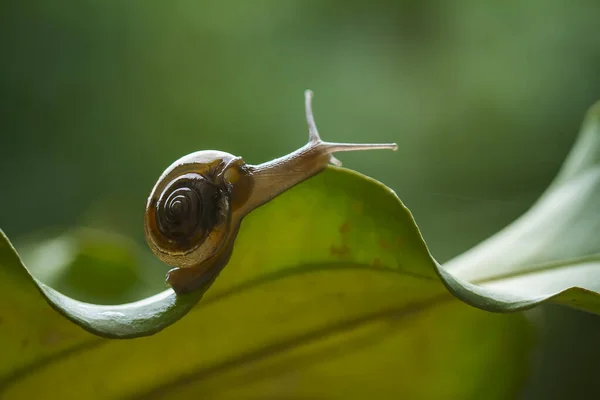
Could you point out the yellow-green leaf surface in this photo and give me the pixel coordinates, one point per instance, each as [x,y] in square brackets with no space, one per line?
[330,293]
[312,320]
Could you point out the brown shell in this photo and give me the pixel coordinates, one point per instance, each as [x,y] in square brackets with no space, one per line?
[219,169]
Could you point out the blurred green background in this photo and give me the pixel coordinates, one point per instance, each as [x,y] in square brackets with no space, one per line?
[484,99]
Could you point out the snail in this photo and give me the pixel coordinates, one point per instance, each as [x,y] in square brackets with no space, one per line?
[195,209]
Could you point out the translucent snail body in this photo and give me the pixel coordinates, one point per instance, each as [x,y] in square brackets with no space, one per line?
[195,209]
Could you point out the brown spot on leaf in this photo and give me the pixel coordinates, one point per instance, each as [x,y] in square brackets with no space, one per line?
[24,343]
[340,251]
[358,208]
[384,244]
[399,241]
[52,338]
[376,262]
[345,227]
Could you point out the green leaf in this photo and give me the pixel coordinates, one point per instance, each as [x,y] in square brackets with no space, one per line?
[93,266]
[552,252]
[139,318]
[339,300]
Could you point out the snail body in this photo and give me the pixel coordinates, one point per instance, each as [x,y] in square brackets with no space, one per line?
[195,209]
